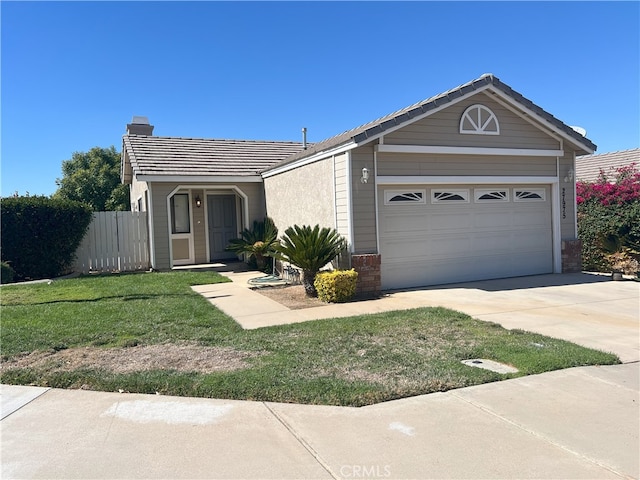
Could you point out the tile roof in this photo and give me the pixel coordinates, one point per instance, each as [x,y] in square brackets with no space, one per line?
[150,155]
[588,166]
[362,133]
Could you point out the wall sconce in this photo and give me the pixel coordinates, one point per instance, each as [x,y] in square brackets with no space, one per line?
[365,175]
[569,177]
[198,201]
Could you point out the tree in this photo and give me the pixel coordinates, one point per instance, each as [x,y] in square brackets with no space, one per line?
[93,177]
[310,249]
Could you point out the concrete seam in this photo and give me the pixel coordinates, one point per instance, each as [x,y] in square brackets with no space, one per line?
[22,406]
[538,435]
[303,442]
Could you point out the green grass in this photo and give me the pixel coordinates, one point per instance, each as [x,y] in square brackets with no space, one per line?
[350,361]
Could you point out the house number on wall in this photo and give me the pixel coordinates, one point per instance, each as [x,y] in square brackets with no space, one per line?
[564,203]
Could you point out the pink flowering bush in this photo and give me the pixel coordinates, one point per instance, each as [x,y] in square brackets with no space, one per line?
[622,189]
[609,220]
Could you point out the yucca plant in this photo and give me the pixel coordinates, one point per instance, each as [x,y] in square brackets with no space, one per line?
[309,249]
[258,242]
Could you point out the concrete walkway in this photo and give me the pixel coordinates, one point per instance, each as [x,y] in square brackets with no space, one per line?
[576,423]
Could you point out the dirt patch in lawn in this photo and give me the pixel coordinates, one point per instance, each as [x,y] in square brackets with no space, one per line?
[183,358]
[291,296]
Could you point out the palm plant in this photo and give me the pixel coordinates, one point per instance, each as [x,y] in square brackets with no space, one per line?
[258,242]
[309,249]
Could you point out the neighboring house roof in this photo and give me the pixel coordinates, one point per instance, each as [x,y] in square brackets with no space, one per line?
[177,156]
[588,166]
[374,129]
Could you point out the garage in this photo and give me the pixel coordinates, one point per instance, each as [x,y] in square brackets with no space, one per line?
[438,234]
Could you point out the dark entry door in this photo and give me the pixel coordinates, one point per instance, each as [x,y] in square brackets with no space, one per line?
[222,225]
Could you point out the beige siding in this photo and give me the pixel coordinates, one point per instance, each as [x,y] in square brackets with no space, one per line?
[255,202]
[363,202]
[567,198]
[160,193]
[415,164]
[442,129]
[342,196]
[199,228]
[302,196]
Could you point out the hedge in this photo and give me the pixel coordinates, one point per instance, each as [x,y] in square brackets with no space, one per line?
[40,235]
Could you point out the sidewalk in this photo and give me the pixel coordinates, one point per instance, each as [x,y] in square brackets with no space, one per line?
[576,423]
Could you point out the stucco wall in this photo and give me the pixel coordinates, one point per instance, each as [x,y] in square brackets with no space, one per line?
[137,190]
[302,196]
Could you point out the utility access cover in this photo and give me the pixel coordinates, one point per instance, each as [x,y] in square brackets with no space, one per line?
[490,365]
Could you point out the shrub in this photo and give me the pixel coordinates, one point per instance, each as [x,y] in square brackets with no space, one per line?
[309,249]
[7,274]
[609,220]
[258,242]
[336,286]
[40,235]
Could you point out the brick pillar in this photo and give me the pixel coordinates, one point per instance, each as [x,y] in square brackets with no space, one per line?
[572,256]
[368,268]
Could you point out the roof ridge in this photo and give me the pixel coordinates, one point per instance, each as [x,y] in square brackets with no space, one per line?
[208,139]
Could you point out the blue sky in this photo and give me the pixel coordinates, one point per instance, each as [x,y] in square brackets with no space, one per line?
[74,73]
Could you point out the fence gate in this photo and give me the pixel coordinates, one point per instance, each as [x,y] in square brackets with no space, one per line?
[114,242]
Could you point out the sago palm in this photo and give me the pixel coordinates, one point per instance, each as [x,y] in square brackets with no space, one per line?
[257,242]
[309,249]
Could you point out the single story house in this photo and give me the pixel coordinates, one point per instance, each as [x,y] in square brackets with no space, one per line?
[588,167]
[474,183]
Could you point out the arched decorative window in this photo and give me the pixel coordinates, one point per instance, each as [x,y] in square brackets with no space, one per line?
[479,120]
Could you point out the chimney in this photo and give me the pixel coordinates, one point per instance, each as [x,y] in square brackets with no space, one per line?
[304,137]
[139,126]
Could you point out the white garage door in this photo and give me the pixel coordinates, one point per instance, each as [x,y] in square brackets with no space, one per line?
[431,235]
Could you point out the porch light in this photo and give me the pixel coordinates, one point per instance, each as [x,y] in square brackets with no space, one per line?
[365,175]
[198,201]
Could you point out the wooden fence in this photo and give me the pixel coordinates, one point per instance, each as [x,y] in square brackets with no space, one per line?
[115,242]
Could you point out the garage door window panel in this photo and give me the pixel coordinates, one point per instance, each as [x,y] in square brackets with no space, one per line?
[398,197]
[450,196]
[486,195]
[529,195]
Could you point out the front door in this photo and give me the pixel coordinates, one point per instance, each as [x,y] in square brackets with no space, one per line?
[223,225]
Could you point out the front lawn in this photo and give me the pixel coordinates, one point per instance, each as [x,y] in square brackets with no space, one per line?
[150,333]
